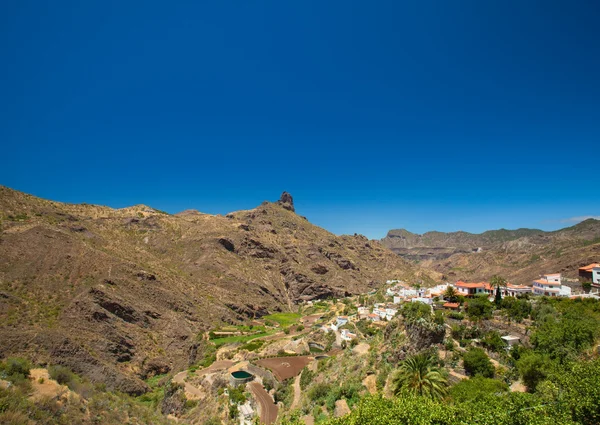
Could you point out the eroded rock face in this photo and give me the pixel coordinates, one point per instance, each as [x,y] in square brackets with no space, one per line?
[286,201]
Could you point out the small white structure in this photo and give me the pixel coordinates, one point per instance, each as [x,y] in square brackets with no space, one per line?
[511,340]
[423,300]
[596,275]
[397,299]
[246,412]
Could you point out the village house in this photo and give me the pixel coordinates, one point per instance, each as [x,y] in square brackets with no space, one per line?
[438,291]
[374,317]
[363,311]
[341,320]
[472,289]
[398,300]
[510,290]
[390,313]
[451,306]
[347,335]
[588,275]
[423,300]
[550,286]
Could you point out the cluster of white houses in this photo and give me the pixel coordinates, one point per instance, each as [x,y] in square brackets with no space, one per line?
[549,285]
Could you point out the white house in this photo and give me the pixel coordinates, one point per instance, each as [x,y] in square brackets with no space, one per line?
[380,311]
[363,311]
[472,289]
[550,286]
[390,313]
[341,321]
[423,300]
[397,299]
[596,275]
[374,317]
[510,290]
[347,335]
[437,291]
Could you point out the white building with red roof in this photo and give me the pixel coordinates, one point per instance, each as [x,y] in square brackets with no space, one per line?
[471,289]
[550,285]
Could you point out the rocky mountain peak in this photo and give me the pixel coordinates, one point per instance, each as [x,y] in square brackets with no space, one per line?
[286,201]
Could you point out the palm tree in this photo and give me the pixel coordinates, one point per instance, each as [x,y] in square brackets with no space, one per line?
[421,376]
[450,294]
[497,282]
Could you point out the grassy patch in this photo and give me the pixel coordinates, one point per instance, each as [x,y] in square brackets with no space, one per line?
[239,338]
[284,319]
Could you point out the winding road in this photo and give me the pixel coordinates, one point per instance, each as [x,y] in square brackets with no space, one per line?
[267,408]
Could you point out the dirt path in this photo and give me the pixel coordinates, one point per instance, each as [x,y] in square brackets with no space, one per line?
[297,393]
[194,391]
[518,387]
[341,408]
[267,408]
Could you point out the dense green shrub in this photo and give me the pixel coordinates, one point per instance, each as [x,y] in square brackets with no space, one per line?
[479,308]
[477,388]
[476,362]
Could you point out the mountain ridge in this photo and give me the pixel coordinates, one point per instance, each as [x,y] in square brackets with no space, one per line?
[111,292]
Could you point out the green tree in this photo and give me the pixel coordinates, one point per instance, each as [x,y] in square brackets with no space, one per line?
[476,362]
[420,375]
[479,308]
[496,282]
[533,368]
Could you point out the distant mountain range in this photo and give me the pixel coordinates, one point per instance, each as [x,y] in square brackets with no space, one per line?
[521,254]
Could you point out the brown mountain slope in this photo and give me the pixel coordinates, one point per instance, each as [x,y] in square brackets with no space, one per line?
[111,292]
[521,255]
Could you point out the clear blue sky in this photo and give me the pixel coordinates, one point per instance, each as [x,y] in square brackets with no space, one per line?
[374,115]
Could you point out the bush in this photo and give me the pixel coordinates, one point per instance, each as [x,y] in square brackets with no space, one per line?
[306,378]
[456,315]
[493,341]
[15,366]
[476,388]
[479,308]
[477,363]
[61,374]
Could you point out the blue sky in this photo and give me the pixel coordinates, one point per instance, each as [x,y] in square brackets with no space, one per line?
[375,115]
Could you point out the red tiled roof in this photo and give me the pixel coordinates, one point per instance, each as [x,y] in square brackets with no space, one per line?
[470,285]
[589,267]
[451,305]
[545,282]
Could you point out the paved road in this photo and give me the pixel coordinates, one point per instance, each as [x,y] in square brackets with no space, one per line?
[267,408]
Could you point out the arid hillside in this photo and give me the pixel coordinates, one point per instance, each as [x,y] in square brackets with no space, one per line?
[116,293]
[520,255]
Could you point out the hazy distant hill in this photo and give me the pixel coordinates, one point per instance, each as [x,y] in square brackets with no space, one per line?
[520,254]
[109,291]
